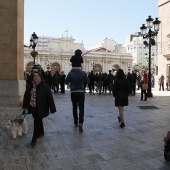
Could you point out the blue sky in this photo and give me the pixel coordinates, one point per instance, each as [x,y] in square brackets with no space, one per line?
[89,21]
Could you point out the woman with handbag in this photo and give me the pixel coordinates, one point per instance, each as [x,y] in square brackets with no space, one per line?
[144,87]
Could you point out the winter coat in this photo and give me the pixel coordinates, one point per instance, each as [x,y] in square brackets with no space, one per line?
[77,79]
[76,60]
[121,92]
[44,99]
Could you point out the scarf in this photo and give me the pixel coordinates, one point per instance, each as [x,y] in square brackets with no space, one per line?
[33,96]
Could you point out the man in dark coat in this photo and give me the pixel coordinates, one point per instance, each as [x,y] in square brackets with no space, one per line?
[130,79]
[62,79]
[91,77]
[134,82]
[38,100]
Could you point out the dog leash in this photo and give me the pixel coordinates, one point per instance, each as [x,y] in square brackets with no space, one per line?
[23,113]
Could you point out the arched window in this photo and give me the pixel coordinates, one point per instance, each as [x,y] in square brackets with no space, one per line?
[55,67]
[97,68]
[115,67]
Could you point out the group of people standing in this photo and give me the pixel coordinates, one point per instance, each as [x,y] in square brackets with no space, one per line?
[55,80]
[38,99]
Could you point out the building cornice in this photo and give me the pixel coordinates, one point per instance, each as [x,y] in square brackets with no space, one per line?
[163,2]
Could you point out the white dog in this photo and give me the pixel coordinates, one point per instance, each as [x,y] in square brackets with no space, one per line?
[18,126]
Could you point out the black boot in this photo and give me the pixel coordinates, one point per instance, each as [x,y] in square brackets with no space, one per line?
[122,125]
[33,142]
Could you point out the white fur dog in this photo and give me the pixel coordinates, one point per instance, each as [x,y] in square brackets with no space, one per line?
[18,126]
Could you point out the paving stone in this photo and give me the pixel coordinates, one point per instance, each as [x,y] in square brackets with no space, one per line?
[103,145]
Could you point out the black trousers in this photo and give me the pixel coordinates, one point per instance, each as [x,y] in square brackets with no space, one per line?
[91,87]
[56,87]
[161,85]
[38,124]
[143,92]
[134,88]
[78,99]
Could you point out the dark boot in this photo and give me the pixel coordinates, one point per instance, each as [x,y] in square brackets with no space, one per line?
[122,125]
[33,142]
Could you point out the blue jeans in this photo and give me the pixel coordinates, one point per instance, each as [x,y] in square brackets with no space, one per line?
[78,99]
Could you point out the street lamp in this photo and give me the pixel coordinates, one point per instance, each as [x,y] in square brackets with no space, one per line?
[150,35]
[33,43]
[129,66]
[48,65]
[93,64]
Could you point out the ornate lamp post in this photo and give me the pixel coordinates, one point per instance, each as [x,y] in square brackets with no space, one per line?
[33,43]
[48,65]
[150,36]
[129,66]
[93,64]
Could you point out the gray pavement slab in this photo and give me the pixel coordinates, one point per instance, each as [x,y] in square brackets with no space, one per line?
[103,145]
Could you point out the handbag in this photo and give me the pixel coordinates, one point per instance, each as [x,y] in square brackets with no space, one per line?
[144,86]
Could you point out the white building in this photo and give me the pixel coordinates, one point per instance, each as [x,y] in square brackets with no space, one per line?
[58,51]
[139,51]
[163,63]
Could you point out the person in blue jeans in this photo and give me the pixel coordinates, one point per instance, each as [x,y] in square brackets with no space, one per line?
[78,80]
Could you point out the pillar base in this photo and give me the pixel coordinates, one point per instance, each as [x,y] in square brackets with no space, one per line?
[12,92]
[149,94]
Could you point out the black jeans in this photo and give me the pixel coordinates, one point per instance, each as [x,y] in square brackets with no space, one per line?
[143,92]
[56,87]
[77,99]
[38,124]
[161,85]
[91,87]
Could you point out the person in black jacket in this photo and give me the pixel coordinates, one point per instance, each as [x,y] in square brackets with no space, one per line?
[38,100]
[77,59]
[121,93]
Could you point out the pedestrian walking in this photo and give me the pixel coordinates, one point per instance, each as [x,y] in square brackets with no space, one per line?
[56,81]
[77,79]
[121,93]
[134,76]
[161,82]
[38,100]
[110,79]
[62,85]
[91,77]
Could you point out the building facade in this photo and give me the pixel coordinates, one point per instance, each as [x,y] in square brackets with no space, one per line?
[139,51]
[163,61]
[57,52]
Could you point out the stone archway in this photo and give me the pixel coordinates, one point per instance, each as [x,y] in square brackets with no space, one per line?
[97,68]
[115,67]
[55,67]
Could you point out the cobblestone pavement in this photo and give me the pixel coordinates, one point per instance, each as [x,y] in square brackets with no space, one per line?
[103,144]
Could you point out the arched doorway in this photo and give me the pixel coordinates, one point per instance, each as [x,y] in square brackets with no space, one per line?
[55,67]
[97,68]
[115,67]
[29,66]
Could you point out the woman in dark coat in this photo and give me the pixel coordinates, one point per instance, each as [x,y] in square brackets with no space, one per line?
[38,100]
[121,92]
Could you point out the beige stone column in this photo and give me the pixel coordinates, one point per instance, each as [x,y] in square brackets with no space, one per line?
[12,83]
